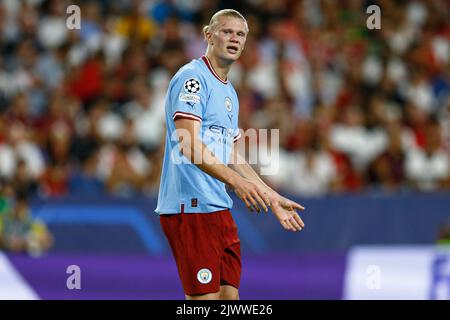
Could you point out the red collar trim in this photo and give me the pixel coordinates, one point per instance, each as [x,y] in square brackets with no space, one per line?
[210,67]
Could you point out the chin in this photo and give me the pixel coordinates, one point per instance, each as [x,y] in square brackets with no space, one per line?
[230,58]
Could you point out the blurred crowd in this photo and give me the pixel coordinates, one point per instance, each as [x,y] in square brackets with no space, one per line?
[19,231]
[82,111]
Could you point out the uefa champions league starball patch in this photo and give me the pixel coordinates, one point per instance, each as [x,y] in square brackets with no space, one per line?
[192,86]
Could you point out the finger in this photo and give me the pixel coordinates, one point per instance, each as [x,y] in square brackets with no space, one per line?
[289,224]
[299,220]
[249,206]
[295,224]
[266,199]
[253,202]
[295,205]
[285,225]
[260,201]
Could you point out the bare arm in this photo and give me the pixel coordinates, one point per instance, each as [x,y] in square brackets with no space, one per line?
[194,150]
[240,165]
[282,208]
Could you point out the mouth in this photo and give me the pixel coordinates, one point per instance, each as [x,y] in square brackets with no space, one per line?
[232,49]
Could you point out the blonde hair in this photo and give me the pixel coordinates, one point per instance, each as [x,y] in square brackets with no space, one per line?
[225,12]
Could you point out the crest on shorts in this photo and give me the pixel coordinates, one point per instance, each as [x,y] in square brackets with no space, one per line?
[228,104]
[204,276]
[192,86]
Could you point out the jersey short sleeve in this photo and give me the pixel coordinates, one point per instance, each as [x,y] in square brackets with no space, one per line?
[188,95]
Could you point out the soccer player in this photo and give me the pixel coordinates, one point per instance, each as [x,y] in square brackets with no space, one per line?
[202,111]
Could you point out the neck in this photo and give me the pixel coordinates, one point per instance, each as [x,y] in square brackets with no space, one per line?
[220,67]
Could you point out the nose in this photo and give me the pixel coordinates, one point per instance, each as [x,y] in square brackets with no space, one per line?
[234,39]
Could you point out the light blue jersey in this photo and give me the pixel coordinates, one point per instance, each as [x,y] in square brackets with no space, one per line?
[196,92]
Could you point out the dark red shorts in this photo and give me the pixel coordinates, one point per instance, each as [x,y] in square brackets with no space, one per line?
[206,249]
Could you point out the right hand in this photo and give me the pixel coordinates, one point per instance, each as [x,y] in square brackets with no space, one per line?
[252,195]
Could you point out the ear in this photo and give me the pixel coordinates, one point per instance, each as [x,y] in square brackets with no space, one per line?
[208,36]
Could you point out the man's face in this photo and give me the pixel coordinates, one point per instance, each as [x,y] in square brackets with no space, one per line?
[227,39]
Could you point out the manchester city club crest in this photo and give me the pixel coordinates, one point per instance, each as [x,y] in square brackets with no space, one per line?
[204,276]
[228,104]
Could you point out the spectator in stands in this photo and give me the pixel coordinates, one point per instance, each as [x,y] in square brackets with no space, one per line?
[22,233]
[134,23]
[387,171]
[146,115]
[85,181]
[23,182]
[55,180]
[6,191]
[360,143]
[123,166]
[20,146]
[428,169]
[312,173]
